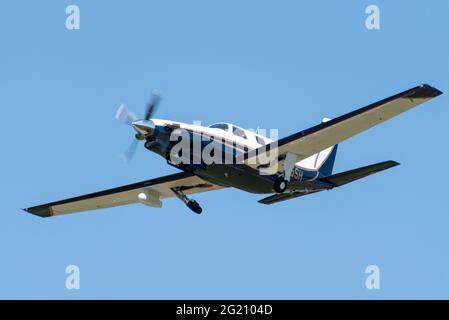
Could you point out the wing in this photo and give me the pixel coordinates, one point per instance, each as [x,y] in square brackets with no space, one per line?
[311,141]
[124,195]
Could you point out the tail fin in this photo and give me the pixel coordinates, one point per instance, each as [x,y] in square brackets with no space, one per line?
[328,165]
[322,161]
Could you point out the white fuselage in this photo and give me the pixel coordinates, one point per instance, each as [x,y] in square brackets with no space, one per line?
[244,139]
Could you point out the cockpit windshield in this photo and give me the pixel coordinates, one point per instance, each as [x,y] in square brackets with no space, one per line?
[222,126]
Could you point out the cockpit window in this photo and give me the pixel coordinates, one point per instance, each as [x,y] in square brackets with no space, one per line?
[222,126]
[239,132]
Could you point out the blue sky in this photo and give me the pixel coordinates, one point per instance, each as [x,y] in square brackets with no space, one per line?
[283,64]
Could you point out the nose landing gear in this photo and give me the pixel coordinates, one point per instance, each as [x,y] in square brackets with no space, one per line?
[190,203]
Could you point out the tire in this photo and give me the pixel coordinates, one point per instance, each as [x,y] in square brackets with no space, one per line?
[280,185]
[194,206]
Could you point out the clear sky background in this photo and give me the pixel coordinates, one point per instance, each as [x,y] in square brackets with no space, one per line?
[273,64]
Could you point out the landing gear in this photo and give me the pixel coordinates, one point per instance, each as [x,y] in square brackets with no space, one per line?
[280,184]
[194,206]
[190,203]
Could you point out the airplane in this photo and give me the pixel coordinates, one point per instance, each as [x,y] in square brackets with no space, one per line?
[303,163]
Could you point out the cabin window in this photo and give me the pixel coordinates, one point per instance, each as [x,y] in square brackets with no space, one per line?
[222,126]
[239,132]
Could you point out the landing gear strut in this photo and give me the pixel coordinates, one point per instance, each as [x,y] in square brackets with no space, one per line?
[280,184]
[190,203]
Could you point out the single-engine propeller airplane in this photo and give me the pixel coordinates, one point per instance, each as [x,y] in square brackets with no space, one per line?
[303,161]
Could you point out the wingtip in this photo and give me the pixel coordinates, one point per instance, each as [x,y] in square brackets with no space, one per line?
[427,91]
[41,211]
[393,163]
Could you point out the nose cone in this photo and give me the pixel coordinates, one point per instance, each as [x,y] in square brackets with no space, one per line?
[143,127]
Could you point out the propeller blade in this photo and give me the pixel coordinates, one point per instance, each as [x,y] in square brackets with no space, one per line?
[124,115]
[129,153]
[129,118]
[152,105]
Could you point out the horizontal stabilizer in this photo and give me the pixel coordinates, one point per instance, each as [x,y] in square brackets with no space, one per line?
[342,178]
[335,180]
[278,197]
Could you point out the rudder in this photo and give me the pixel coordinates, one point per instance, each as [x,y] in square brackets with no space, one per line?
[328,165]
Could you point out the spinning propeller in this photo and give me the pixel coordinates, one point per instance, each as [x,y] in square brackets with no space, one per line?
[143,127]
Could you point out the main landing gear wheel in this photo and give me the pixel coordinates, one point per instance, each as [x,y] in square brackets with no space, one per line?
[194,206]
[190,203]
[280,184]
